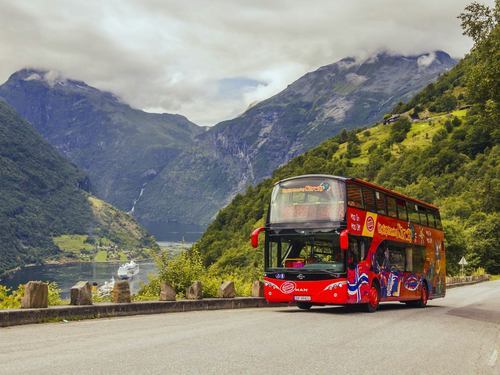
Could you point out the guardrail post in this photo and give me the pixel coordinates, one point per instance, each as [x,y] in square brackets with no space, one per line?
[36,295]
[258,289]
[167,293]
[194,291]
[81,293]
[121,292]
[227,290]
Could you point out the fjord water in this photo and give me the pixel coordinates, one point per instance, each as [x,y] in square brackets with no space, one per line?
[66,275]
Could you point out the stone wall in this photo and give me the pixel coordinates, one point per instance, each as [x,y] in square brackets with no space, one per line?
[11,317]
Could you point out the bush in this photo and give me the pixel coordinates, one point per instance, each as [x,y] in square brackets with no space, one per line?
[399,129]
[12,299]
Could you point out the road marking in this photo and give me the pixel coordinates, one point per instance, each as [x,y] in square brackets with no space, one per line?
[493,358]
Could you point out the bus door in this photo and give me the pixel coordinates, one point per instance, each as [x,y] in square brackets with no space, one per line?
[358,269]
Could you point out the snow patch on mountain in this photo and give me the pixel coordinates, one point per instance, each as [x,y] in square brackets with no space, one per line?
[425,60]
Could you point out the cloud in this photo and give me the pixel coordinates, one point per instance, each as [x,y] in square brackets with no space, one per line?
[211,60]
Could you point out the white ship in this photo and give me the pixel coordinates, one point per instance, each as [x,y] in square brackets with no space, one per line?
[128,270]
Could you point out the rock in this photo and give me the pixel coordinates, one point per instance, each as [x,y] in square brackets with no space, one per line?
[121,292]
[258,289]
[227,290]
[194,291]
[81,293]
[36,295]
[167,292]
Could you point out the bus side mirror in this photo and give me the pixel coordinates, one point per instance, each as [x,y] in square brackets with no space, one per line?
[344,240]
[254,238]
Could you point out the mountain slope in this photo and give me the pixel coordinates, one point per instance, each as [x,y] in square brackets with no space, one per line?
[175,176]
[451,160]
[44,196]
[243,151]
[119,147]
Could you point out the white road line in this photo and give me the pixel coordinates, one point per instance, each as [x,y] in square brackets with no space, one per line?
[493,358]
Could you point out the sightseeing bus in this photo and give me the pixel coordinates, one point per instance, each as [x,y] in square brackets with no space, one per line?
[333,240]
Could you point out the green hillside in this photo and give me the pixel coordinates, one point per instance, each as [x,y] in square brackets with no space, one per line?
[449,158]
[45,210]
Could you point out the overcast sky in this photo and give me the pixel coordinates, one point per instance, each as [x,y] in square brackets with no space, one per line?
[209,60]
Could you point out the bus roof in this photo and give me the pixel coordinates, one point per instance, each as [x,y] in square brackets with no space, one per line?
[362,182]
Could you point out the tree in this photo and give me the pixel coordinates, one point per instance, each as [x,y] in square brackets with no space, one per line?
[479,20]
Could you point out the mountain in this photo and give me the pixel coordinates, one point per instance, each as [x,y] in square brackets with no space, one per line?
[173,175]
[243,151]
[45,204]
[120,148]
[450,158]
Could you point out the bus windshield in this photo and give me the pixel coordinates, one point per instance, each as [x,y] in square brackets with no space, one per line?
[308,199]
[306,253]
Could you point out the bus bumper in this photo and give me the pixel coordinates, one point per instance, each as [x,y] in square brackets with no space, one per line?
[324,292]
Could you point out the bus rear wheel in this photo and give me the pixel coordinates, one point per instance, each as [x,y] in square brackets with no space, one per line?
[424,297]
[304,305]
[373,299]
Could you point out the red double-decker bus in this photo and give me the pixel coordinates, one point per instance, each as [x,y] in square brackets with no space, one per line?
[333,240]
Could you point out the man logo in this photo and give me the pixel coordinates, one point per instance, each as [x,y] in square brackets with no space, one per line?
[301,277]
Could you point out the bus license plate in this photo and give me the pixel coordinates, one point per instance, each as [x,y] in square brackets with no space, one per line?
[302,298]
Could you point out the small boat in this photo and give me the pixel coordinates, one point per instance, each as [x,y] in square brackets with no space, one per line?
[128,270]
[106,288]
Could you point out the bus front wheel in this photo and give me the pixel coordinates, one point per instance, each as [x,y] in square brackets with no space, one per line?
[304,305]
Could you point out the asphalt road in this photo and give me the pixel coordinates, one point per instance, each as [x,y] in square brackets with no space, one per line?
[459,334]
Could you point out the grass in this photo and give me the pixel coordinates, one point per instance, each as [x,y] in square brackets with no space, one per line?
[101,256]
[494,277]
[420,135]
[73,243]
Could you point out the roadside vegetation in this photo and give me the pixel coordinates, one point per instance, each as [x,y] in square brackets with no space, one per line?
[443,149]
[11,299]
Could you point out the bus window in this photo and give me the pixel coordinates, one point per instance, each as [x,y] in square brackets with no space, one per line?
[412,213]
[369,199]
[381,261]
[409,259]
[431,218]
[401,205]
[423,215]
[396,258]
[359,247]
[418,258]
[308,199]
[354,198]
[322,252]
[380,203]
[438,221]
[391,207]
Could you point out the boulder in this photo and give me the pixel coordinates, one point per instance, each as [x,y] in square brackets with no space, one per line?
[167,292]
[194,291]
[36,295]
[121,292]
[227,290]
[81,293]
[258,289]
